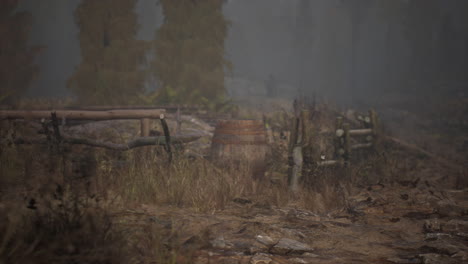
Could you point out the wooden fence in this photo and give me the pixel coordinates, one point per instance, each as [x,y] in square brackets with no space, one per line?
[52,119]
[302,141]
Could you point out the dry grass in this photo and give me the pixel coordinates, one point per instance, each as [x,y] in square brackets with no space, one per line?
[191,183]
[64,229]
[76,225]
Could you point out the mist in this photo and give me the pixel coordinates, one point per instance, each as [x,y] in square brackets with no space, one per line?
[233,131]
[347,51]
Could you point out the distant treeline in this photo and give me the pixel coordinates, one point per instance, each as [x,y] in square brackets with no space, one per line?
[347,47]
[188,61]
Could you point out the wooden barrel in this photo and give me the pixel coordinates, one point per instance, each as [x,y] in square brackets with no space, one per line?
[241,142]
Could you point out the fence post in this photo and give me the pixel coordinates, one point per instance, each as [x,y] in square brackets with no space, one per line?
[346,143]
[167,136]
[269,131]
[307,145]
[179,121]
[375,128]
[144,127]
[295,158]
[339,138]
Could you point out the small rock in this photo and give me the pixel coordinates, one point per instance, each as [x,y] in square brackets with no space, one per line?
[436,235]
[404,196]
[461,255]
[240,200]
[195,242]
[432,225]
[228,261]
[449,209]
[404,261]
[239,244]
[375,187]
[218,242]
[261,258]
[433,258]
[443,246]
[462,235]
[254,250]
[265,240]
[298,260]
[455,226]
[288,246]
[310,255]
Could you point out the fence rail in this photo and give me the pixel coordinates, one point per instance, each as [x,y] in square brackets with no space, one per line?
[62,116]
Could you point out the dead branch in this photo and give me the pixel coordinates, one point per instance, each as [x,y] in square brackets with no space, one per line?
[422,151]
[139,142]
[167,137]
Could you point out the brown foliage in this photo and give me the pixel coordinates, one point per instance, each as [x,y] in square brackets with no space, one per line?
[111,55]
[190,51]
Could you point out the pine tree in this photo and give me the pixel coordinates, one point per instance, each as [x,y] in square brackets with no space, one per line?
[17,67]
[110,71]
[189,47]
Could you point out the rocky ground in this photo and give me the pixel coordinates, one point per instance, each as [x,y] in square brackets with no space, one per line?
[403,223]
[420,215]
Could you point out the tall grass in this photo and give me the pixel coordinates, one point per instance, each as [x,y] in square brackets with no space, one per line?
[191,183]
[72,224]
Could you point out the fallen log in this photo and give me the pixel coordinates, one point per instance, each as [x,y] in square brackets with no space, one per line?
[83,115]
[135,143]
[135,107]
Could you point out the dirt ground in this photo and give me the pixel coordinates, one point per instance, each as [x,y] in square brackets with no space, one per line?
[402,206]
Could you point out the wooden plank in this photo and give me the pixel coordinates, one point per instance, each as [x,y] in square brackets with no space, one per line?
[82,115]
[361,146]
[361,132]
[134,107]
[327,163]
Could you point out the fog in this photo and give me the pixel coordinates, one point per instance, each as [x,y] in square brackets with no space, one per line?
[348,51]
